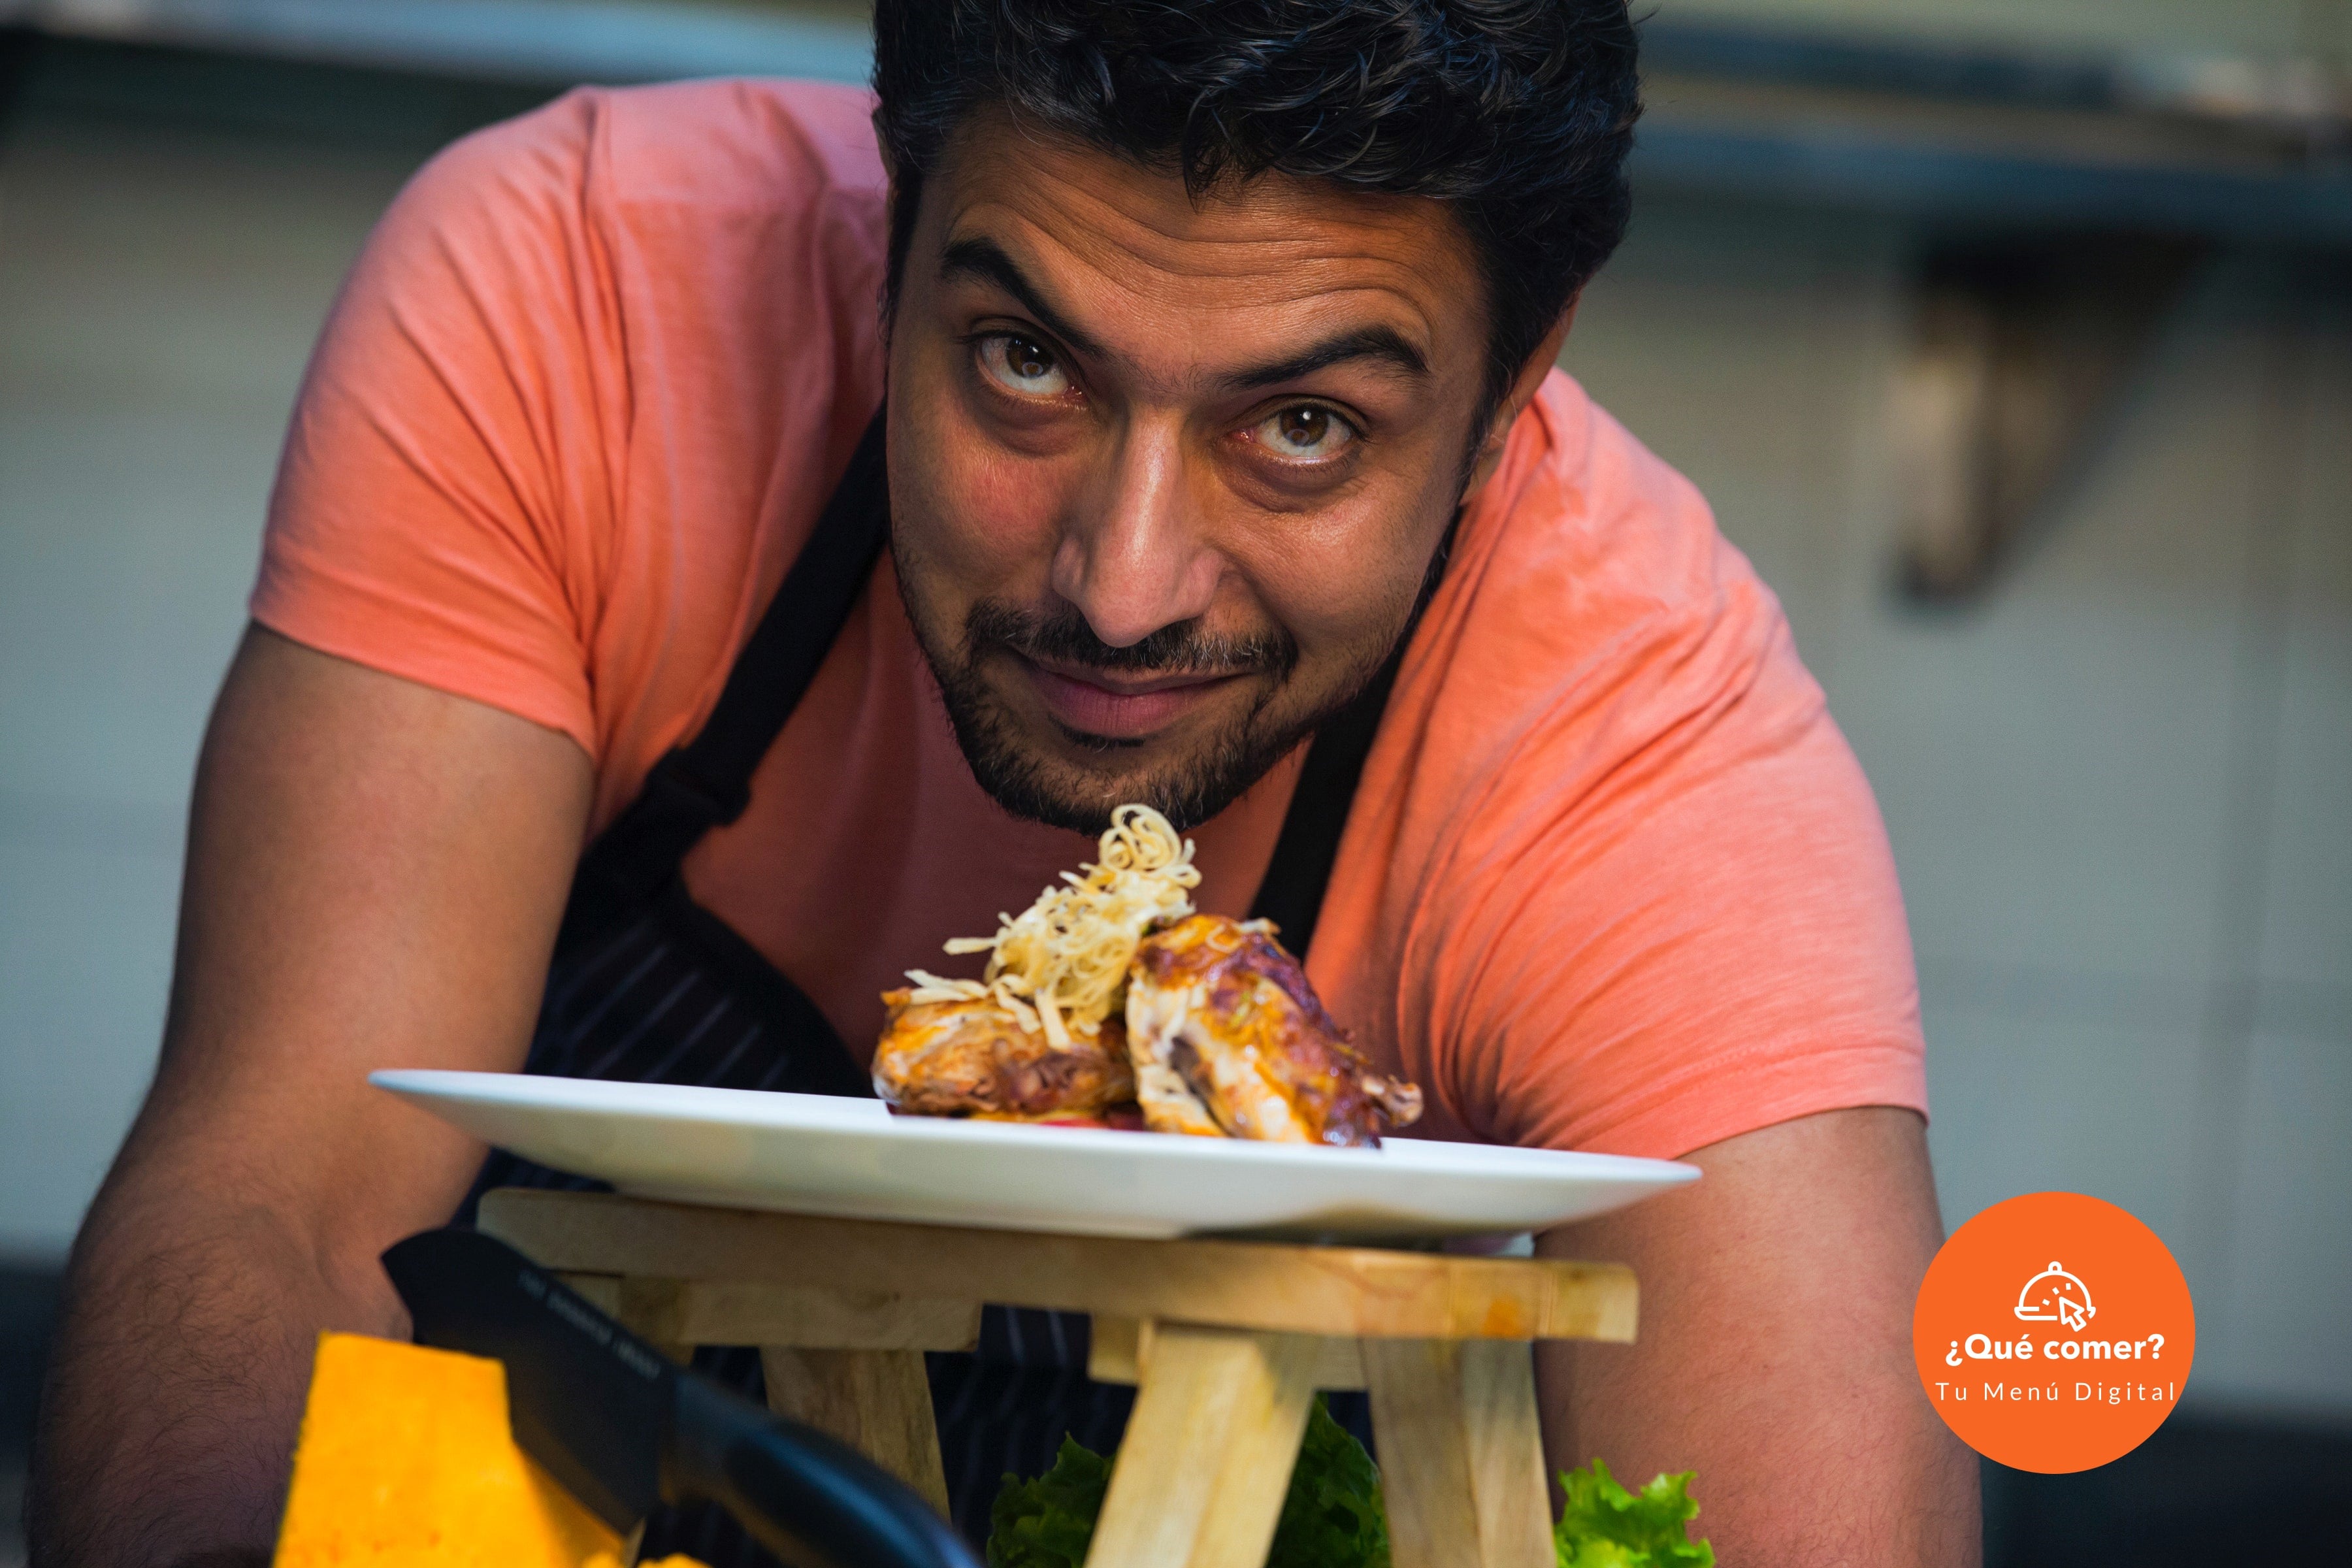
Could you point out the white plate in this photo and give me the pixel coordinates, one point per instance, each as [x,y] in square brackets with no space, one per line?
[823,1155]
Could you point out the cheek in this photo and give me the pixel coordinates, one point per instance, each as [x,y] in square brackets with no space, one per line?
[1345,576]
[974,514]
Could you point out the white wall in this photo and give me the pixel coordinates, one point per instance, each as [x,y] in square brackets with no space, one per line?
[158,294]
[2118,788]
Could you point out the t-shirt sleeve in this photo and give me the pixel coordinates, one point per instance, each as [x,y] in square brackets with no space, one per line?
[437,506]
[1671,916]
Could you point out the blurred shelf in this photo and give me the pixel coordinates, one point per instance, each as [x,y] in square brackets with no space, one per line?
[2013,164]
[2156,141]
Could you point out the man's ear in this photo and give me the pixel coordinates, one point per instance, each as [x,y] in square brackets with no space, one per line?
[1523,391]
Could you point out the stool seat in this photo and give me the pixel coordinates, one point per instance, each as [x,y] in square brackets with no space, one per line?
[1226,1342]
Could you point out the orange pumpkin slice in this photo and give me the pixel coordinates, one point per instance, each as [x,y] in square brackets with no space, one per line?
[407,1460]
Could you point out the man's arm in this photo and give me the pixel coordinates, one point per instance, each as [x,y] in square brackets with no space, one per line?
[1775,1351]
[375,873]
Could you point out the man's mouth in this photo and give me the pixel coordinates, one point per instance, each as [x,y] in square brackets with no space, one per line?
[1119,707]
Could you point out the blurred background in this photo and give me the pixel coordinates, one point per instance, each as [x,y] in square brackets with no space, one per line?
[2011,338]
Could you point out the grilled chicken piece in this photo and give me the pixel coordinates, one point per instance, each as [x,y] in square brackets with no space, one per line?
[1229,1040]
[973,1058]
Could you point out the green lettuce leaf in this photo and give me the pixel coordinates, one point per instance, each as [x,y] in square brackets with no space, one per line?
[1048,1522]
[1331,1517]
[1605,1526]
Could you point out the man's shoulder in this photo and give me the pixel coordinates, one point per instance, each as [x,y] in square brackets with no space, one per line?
[575,384]
[673,162]
[1612,805]
[738,145]
[1588,558]
[1592,627]
[1589,499]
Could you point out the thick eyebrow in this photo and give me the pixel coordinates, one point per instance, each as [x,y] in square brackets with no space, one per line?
[1379,343]
[986,261]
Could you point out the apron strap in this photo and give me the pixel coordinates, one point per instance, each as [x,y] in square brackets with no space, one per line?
[707,782]
[1299,874]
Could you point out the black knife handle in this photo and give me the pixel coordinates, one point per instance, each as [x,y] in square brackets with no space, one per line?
[805,1495]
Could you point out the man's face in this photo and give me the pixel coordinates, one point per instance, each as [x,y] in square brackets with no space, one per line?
[1166,474]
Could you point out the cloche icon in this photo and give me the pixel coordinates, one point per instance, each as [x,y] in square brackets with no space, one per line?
[2054,1296]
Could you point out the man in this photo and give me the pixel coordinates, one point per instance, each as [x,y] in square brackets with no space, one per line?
[1217,347]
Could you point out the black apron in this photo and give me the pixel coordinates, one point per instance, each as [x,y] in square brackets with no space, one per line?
[647,986]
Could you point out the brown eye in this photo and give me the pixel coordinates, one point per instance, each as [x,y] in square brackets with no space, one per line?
[1027,360]
[1307,432]
[1022,366]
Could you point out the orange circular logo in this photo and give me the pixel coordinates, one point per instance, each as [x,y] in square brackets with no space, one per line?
[2053,1332]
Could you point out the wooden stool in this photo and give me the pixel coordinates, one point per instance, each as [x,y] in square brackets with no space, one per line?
[1226,1342]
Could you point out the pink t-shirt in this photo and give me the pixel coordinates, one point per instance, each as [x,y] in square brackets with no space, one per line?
[1613,879]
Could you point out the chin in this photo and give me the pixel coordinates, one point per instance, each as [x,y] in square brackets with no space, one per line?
[1047,775]
[1037,769]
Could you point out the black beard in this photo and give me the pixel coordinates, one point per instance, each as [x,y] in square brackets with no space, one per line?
[1189,791]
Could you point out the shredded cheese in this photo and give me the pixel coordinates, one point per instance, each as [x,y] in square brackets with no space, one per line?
[1060,965]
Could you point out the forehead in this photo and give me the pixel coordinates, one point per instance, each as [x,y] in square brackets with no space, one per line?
[1274,254]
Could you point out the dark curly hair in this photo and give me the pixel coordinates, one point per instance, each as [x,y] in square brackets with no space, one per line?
[1516,113]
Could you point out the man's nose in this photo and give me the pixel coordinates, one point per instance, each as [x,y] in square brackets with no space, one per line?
[1132,556]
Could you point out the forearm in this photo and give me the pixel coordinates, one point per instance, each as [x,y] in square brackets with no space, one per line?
[1774,1353]
[375,873]
[176,1383]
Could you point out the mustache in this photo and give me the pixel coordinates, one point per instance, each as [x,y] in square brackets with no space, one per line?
[1064,638]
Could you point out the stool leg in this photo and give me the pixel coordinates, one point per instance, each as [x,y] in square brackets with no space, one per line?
[1200,1479]
[1461,1452]
[878,1401]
